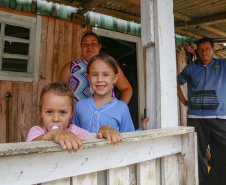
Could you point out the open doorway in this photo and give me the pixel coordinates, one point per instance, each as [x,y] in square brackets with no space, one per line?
[125,54]
[128,52]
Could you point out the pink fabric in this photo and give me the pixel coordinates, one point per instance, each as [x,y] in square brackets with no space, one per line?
[38,131]
[190,48]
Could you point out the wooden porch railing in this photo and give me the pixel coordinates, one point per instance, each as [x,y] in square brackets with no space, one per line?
[161,156]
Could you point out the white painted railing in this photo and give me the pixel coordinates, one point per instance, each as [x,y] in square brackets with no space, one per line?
[162,156]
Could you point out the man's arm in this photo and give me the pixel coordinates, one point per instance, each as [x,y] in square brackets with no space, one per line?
[181,96]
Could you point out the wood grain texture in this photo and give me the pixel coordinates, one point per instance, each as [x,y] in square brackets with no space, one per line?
[10,10]
[169,170]
[86,179]
[15,111]
[24,107]
[60,40]
[65,181]
[46,64]
[76,42]
[44,161]
[148,172]
[181,63]
[190,159]
[118,176]
[62,46]
[50,146]
[5,87]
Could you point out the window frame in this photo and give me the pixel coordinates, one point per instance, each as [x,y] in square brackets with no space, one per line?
[33,57]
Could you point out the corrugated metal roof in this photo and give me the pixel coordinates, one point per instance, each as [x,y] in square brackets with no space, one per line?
[112,23]
[194,19]
[43,7]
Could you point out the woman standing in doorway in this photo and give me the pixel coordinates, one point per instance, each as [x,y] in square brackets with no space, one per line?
[74,72]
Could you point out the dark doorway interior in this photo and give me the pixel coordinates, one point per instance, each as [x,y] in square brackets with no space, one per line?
[125,54]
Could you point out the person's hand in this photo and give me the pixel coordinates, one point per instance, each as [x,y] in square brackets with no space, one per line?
[67,140]
[111,135]
[185,103]
[181,96]
[144,123]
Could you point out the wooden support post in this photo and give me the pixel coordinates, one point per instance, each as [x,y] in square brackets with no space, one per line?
[157,29]
[118,176]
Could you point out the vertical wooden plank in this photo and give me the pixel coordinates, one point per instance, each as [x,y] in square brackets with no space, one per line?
[141,87]
[62,46]
[147,22]
[158,22]
[49,52]
[148,40]
[166,61]
[76,43]
[15,111]
[87,179]
[169,170]
[118,176]
[78,32]
[190,159]
[182,169]
[133,174]
[181,63]
[145,74]
[65,181]
[46,63]
[148,172]
[151,89]
[102,177]
[25,96]
[37,49]
[5,86]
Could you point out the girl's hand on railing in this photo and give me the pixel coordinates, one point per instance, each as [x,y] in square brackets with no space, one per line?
[144,123]
[111,135]
[68,140]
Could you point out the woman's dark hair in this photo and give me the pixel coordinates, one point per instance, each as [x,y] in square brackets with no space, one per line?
[93,34]
[107,59]
[205,39]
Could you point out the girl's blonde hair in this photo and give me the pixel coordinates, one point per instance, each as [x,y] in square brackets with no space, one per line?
[109,60]
[61,89]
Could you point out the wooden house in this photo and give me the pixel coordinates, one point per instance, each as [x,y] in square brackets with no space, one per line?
[166,154]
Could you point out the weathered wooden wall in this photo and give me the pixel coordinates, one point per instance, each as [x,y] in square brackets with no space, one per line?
[60,43]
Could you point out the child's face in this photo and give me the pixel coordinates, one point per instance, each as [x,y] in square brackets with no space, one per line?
[101,77]
[56,110]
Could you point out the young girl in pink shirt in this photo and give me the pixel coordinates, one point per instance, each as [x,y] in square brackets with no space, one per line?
[56,108]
